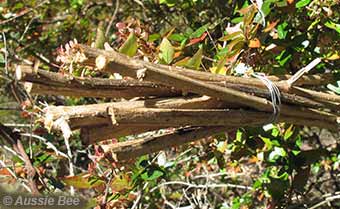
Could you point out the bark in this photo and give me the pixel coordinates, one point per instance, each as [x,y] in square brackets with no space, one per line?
[44,82]
[123,151]
[114,62]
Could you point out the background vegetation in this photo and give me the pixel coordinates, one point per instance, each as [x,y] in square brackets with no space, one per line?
[275,166]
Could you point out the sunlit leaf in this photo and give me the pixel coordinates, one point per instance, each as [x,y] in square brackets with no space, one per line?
[154,37]
[2,58]
[276,153]
[219,69]
[130,46]
[199,32]
[289,132]
[82,181]
[154,175]
[271,26]
[333,26]
[195,61]
[177,37]
[282,33]
[222,70]
[302,3]
[334,88]
[167,51]
[231,36]
[183,62]
[121,182]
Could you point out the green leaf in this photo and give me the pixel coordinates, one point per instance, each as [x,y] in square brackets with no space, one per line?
[154,37]
[155,174]
[237,20]
[198,33]
[289,132]
[302,3]
[220,65]
[231,36]
[169,3]
[282,33]
[82,181]
[167,51]
[130,45]
[195,61]
[333,88]
[267,141]
[333,26]
[2,58]
[121,182]
[177,37]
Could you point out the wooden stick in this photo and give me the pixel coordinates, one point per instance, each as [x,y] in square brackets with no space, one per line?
[131,149]
[302,71]
[58,84]
[115,62]
[93,134]
[97,115]
[50,83]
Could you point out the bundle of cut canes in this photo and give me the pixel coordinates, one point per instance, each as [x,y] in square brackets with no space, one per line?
[186,104]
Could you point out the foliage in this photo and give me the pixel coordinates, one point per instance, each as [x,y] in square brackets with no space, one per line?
[274,166]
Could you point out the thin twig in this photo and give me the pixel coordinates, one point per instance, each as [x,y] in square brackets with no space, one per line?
[48,144]
[326,201]
[302,71]
[114,16]
[198,186]
[6,52]
[23,13]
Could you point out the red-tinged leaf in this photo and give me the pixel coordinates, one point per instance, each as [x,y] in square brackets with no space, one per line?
[82,181]
[4,172]
[199,32]
[120,25]
[182,62]
[255,43]
[177,54]
[246,10]
[249,16]
[236,42]
[271,26]
[197,40]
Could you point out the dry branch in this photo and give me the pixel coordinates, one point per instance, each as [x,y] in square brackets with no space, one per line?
[97,114]
[132,149]
[187,80]
[93,134]
[50,83]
